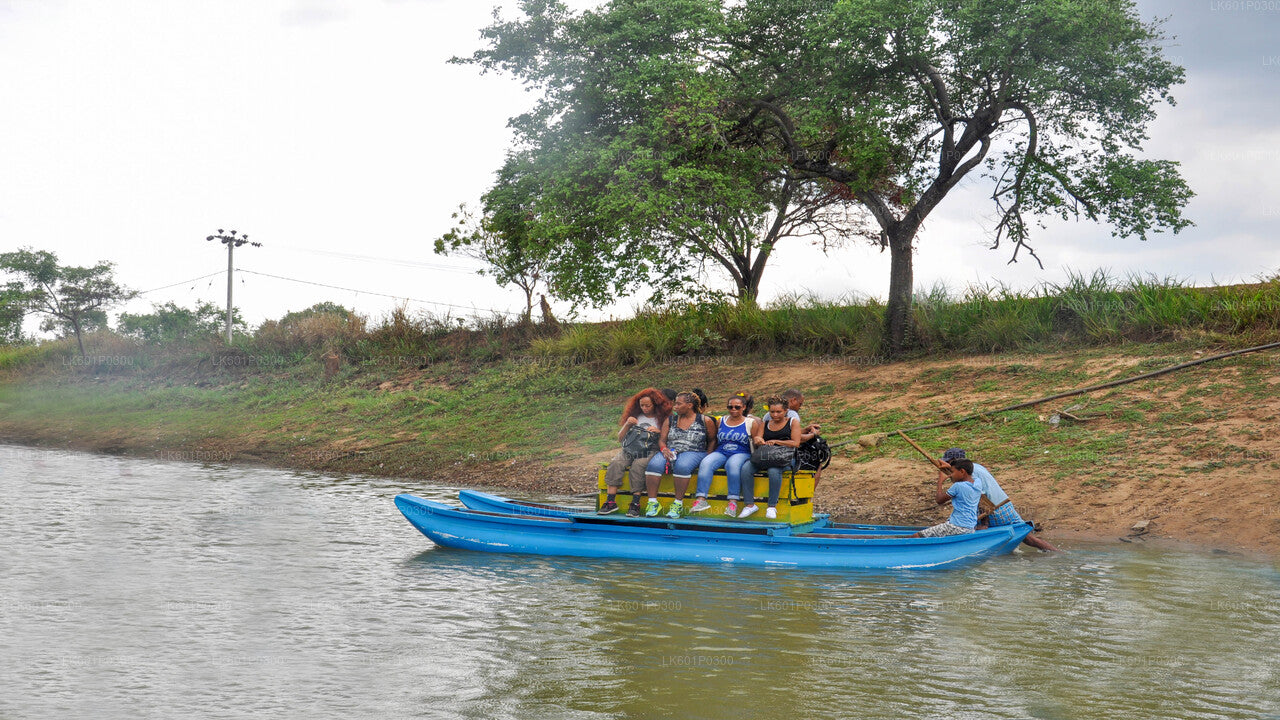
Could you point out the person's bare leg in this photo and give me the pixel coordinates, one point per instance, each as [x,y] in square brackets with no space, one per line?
[682,484]
[651,482]
[1038,543]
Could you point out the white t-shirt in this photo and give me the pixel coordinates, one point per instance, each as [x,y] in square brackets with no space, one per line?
[645,420]
[986,484]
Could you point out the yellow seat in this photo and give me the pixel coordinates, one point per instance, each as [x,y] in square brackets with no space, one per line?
[795,501]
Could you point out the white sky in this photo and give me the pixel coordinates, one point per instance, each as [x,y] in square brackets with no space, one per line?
[132,129]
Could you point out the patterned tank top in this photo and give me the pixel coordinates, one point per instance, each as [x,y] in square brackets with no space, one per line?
[692,440]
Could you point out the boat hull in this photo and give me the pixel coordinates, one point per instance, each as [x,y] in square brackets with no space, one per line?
[684,541]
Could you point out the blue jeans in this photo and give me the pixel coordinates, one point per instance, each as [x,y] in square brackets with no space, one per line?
[732,465]
[682,467]
[748,484]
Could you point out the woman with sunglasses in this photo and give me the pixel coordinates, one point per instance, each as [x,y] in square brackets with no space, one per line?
[733,450]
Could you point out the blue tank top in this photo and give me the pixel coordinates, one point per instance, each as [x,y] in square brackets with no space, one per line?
[733,440]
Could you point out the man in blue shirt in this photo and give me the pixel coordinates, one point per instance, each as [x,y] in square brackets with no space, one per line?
[963,497]
[1004,513]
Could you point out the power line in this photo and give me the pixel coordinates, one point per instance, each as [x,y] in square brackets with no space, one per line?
[184,282]
[375,259]
[367,292]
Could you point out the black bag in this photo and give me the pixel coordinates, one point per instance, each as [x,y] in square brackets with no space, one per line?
[772,456]
[813,454]
[639,442]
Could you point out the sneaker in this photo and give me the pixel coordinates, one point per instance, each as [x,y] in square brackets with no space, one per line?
[731,509]
[771,513]
[676,510]
[700,505]
[634,509]
[608,508]
[748,511]
[652,509]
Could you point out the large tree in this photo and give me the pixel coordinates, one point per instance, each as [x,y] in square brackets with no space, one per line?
[889,104]
[73,299]
[628,177]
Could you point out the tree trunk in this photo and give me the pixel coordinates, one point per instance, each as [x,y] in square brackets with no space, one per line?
[897,314]
[75,325]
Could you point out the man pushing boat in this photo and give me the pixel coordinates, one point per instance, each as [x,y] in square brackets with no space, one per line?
[985,483]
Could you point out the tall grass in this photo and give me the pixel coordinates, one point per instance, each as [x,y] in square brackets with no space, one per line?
[1084,310]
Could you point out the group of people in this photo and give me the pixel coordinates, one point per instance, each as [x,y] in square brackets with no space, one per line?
[687,441]
[666,432]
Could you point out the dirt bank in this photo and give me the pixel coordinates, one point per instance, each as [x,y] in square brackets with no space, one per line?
[1194,454]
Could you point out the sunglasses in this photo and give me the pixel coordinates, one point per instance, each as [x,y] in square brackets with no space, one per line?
[736,407]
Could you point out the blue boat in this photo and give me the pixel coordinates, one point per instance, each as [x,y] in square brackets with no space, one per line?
[810,545]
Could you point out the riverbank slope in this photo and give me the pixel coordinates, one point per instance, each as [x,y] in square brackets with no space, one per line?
[1194,454]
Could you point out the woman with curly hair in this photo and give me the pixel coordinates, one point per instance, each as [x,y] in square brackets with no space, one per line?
[641,419]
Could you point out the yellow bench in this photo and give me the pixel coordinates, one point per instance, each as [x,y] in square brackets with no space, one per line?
[795,501]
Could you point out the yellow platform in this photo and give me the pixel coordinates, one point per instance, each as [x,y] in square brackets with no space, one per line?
[795,501]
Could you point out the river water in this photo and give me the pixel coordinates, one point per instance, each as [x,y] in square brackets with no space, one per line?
[148,589]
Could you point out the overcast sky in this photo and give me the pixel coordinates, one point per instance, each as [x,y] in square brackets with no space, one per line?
[334,132]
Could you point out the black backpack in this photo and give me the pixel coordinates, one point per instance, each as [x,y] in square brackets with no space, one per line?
[813,454]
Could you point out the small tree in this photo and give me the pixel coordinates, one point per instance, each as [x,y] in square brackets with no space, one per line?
[74,299]
[172,323]
[500,238]
[12,313]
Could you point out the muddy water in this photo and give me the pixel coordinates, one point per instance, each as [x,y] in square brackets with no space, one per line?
[138,588]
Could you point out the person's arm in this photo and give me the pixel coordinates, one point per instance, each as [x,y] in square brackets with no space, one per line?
[940,493]
[662,439]
[711,432]
[626,425]
[757,433]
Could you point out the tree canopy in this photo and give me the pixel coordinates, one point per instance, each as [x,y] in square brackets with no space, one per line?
[653,111]
[170,322]
[73,299]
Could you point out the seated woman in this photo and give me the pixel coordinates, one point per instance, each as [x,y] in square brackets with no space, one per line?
[686,437]
[779,429]
[643,410]
[733,449]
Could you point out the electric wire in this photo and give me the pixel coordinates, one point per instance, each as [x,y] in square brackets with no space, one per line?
[184,282]
[378,294]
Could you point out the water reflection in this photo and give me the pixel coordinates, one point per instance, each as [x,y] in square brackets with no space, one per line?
[152,589]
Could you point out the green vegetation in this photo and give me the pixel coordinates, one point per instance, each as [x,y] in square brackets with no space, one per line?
[673,135]
[1084,312]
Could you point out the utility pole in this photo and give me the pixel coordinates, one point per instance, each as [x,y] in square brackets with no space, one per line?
[232,241]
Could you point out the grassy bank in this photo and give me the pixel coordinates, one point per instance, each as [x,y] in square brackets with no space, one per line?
[1086,312]
[1191,450]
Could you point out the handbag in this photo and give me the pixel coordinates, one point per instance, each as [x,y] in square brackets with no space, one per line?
[772,456]
[639,442]
[814,454]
